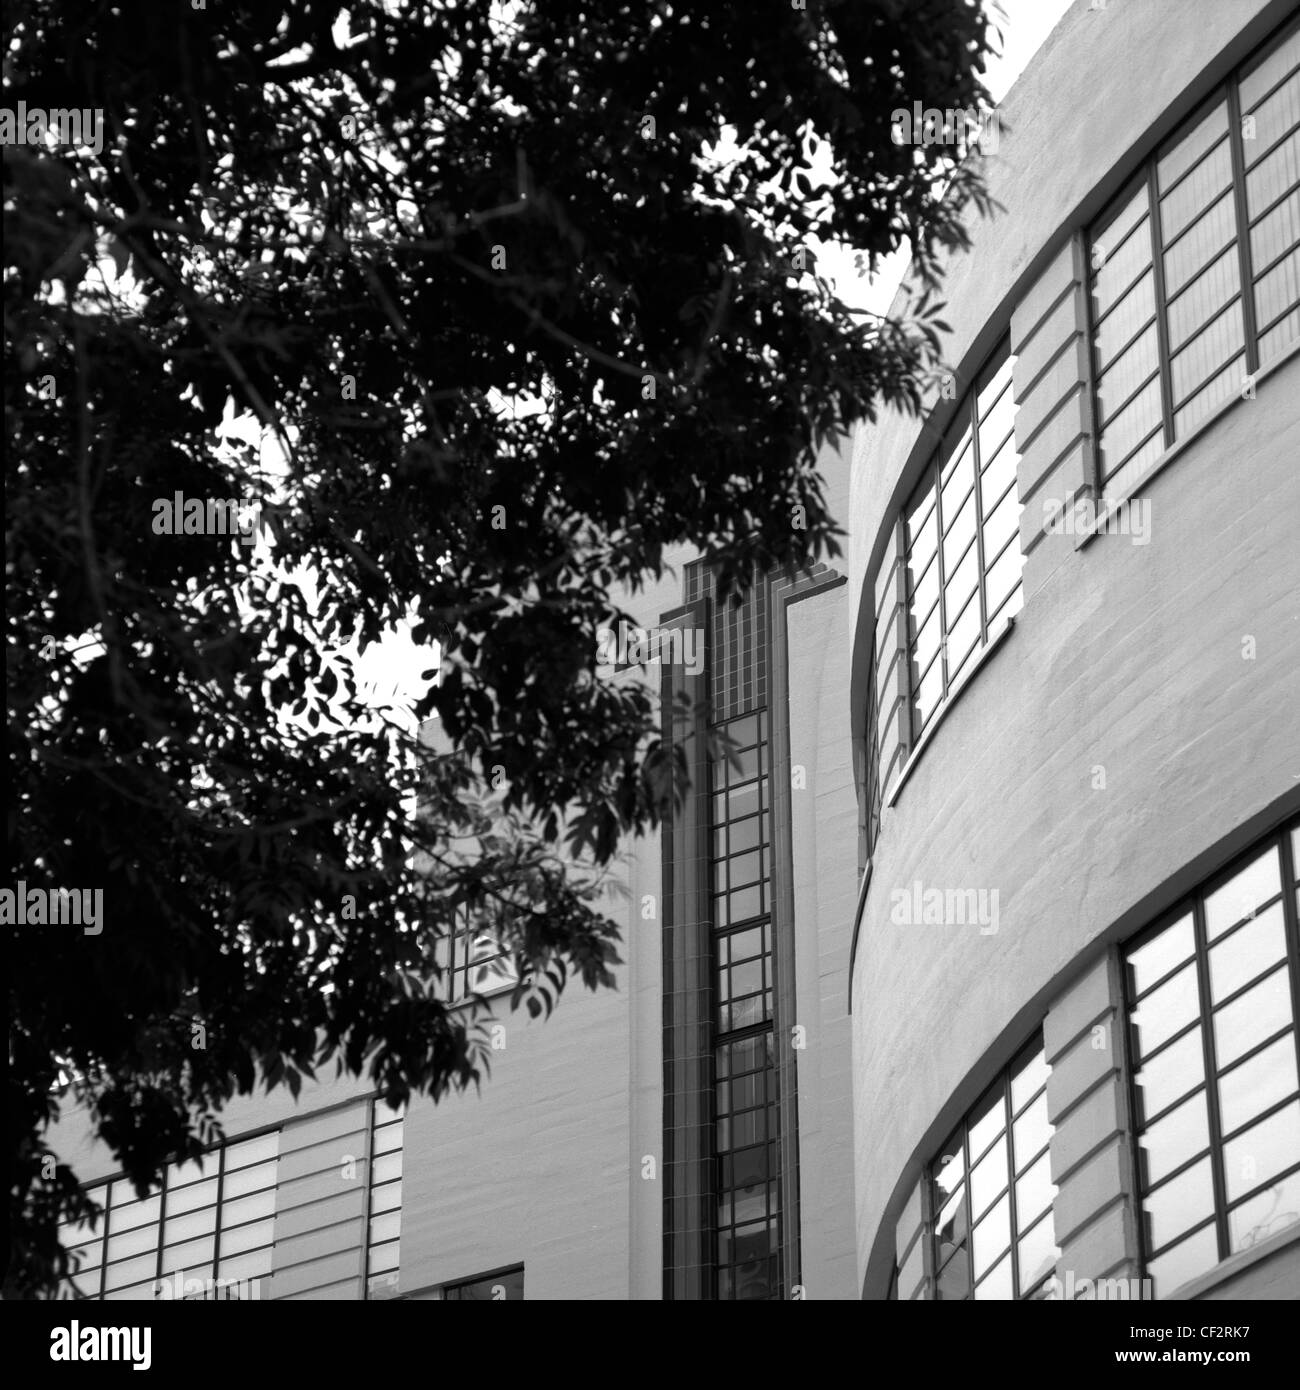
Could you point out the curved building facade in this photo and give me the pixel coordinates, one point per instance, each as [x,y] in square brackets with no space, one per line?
[1075,627]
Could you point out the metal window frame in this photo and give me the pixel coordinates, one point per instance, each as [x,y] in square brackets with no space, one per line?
[966,417]
[1228,91]
[1194,902]
[931,1210]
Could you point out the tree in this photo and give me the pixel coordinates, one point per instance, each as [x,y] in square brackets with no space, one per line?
[508,327]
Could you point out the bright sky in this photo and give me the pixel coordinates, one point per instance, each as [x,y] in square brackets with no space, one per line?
[390,670]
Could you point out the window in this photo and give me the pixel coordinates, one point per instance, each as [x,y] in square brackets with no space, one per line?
[991,1193]
[383,1233]
[479,964]
[1216,209]
[505,1286]
[1216,1099]
[961,540]
[211,1221]
[746,1121]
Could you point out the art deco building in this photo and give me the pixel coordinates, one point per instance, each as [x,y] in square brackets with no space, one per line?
[973,971]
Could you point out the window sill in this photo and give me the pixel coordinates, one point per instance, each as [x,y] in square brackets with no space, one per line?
[958,691]
[1179,447]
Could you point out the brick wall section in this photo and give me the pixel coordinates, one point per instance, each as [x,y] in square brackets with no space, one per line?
[1092,1163]
[1054,430]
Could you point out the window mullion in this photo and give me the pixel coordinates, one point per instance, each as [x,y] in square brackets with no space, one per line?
[1249,326]
[938,560]
[1211,1080]
[1158,285]
[1016,1291]
[979,510]
[1291,927]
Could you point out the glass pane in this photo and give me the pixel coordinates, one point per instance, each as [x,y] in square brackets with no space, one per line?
[197,1223]
[1207,353]
[134,1242]
[1272,67]
[1122,219]
[1135,365]
[1179,1204]
[1259,1012]
[1264,1215]
[949,1169]
[1184,1261]
[1031,1132]
[250,1151]
[1003,579]
[1035,1191]
[961,585]
[995,385]
[1247,1090]
[998,476]
[960,532]
[1126,319]
[744,834]
[1132,425]
[997,1285]
[992,1236]
[385,1227]
[1170,1074]
[248,1180]
[1264,1150]
[1028,1080]
[1242,894]
[996,425]
[1157,957]
[953,1223]
[987,1120]
[1204,297]
[746,903]
[1192,146]
[126,1216]
[958,479]
[1273,175]
[922,544]
[1037,1253]
[189,1255]
[1170,1142]
[953,1283]
[989,1177]
[248,1208]
[1209,398]
[1203,241]
[1248,952]
[1165,1010]
[1280,337]
[199,1194]
[1277,289]
[1119,264]
[1273,118]
[1196,192]
[1276,232]
[132,1271]
[250,1237]
[964,638]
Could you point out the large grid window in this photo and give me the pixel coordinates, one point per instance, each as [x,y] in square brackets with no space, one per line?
[383,1234]
[991,1193]
[1174,336]
[1211,1000]
[745,1115]
[210,1221]
[962,531]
